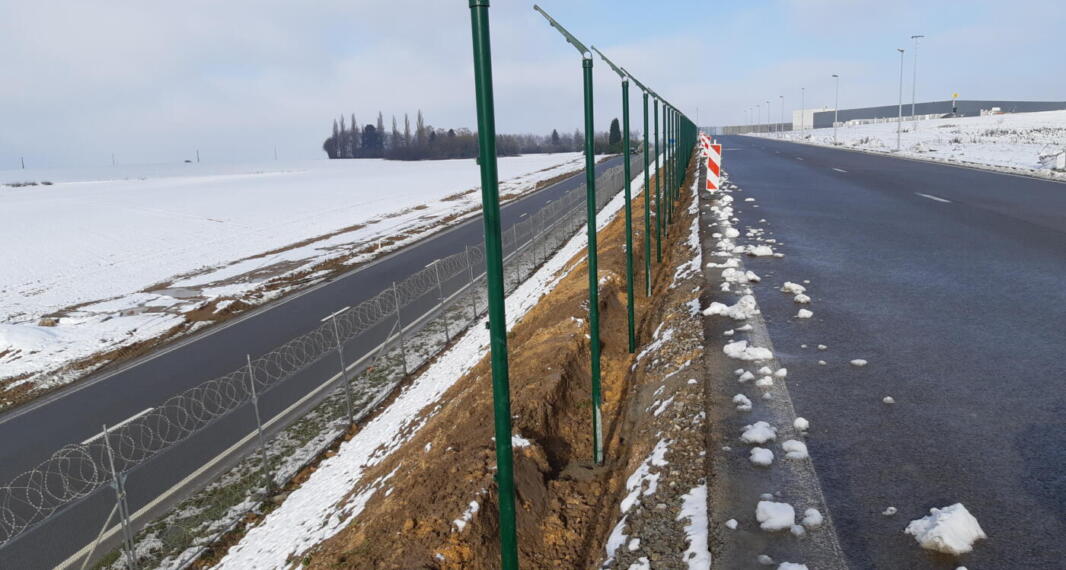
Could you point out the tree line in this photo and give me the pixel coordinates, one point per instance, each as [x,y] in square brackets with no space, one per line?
[349,139]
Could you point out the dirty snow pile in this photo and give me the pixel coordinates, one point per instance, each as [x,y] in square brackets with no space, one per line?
[951,530]
[1028,142]
[104,258]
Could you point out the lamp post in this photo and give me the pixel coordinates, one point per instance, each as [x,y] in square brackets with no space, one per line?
[590,195]
[899,119]
[803,111]
[769,123]
[628,207]
[836,108]
[781,126]
[914,82]
[490,201]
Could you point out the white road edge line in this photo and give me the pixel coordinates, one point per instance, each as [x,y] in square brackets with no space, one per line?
[118,425]
[931,197]
[799,158]
[841,170]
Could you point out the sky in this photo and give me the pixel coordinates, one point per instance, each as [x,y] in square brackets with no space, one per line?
[153,82]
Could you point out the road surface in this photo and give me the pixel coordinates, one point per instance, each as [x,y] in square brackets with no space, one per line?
[949,281]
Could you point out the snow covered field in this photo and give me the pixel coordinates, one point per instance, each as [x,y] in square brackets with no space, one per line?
[104,258]
[1031,143]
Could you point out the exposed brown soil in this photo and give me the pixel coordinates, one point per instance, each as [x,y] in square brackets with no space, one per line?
[567,505]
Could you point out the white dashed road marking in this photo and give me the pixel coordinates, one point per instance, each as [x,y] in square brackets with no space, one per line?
[931,197]
[841,170]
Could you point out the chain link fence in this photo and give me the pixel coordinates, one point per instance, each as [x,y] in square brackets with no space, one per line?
[366,350]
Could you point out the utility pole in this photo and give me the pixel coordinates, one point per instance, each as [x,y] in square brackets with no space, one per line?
[22,160]
[836,108]
[899,119]
[490,204]
[590,188]
[914,82]
[197,156]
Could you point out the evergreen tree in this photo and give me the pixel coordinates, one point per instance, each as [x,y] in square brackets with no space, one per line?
[406,131]
[394,140]
[353,139]
[380,132]
[420,129]
[614,137]
[555,138]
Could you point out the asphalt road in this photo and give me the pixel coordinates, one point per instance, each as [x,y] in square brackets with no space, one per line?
[949,281]
[31,434]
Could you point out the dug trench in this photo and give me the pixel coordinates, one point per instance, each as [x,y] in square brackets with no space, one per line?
[440,507]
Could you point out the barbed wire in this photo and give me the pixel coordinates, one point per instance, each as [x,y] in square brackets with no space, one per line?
[76,471]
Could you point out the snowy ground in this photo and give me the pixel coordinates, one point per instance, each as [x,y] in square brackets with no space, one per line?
[103,258]
[1033,143]
[326,502]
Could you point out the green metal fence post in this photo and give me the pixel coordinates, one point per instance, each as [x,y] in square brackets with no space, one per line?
[630,317]
[490,200]
[590,200]
[647,207]
[594,297]
[658,200]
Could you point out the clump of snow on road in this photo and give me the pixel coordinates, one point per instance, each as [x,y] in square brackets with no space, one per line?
[775,516]
[759,250]
[694,509]
[743,403]
[759,432]
[794,449]
[761,456]
[745,308]
[741,351]
[791,566]
[951,530]
[801,424]
[859,362]
[793,288]
[804,314]
[812,519]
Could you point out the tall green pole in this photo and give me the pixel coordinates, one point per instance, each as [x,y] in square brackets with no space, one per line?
[669,190]
[629,216]
[658,200]
[594,297]
[490,202]
[590,200]
[647,206]
[628,200]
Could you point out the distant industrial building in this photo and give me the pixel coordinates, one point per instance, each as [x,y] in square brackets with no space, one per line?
[823,117]
[932,109]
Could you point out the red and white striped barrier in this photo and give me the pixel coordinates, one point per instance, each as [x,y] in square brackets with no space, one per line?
[714,167]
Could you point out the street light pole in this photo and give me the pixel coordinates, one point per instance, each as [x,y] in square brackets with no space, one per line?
[769,123]
[490,201]
[836,108]
[590,201]
[899,119]
[781,127]
[914,82]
